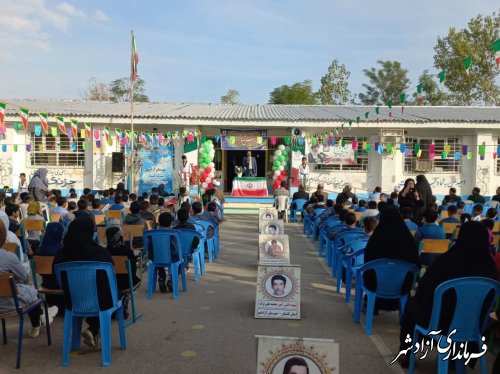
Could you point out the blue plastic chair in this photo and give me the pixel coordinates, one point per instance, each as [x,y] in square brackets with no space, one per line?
[329,224]
[8,288]
[212,243]
[471,293]
[390,276]
[159,241]
[307,223]
[186,239]
[348,254]
[79,282]
[338,242]
[299,208]
[315,222]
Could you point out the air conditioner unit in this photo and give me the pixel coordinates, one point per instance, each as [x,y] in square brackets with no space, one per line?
[393,136]
[423,165]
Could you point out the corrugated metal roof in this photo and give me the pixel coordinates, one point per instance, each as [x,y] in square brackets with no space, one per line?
[262,113]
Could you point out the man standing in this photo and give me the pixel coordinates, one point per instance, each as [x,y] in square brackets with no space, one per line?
[23,184]
[249,165]
[185,173]
[303,172]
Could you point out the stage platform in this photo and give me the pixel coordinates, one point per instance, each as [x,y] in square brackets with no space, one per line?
[246,205]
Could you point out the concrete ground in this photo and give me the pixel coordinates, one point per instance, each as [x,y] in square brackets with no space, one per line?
[211,327]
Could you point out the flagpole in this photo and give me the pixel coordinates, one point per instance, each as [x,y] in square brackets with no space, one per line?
[131,187]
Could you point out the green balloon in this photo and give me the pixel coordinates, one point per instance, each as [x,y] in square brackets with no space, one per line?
[284,153]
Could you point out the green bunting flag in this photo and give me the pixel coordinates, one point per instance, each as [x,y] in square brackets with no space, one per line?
[389,104]
[495,47]
[74,127]
[61,125]
[467,64]
[44,122]
[419,88]
[53,131]
[367,114]
[377,109]
[402,99]
[442,76]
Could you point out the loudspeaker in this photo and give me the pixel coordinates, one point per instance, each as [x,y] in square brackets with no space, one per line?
[117,162]
[296,131]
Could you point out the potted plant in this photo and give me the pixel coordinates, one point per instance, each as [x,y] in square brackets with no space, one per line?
[238,171]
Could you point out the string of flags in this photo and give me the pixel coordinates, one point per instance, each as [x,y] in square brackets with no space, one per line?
[86,135]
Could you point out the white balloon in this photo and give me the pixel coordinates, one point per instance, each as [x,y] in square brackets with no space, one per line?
[284,163]
[210,146]
[281,147]
[208,179]
[212,165]
[281,168]
[277,153]
[274,158]
[211,175]
[204,185]
[277,172]
[211,154]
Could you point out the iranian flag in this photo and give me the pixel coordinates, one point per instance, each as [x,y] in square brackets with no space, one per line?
[88,130]
[25,114]
[74,127]
[61,125]
[3,106]
[496,48]
[467,64]
[249,187]
[44,122]
[134,60]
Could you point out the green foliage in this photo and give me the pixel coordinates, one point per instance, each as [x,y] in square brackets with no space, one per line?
[335,85]
[298,93]
[431,92]
[386,83]
[475,41]
[231,97]
[120,90]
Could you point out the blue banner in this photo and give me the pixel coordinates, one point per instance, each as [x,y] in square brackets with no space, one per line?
[153,167]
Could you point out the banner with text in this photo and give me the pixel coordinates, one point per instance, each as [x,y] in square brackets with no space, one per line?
[330,154]
[243,139]
[153,166]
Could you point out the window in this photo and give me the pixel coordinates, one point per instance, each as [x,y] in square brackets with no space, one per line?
[436,165]
[359,163]
[47,150]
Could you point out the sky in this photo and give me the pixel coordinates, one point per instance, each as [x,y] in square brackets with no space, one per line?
[193,51]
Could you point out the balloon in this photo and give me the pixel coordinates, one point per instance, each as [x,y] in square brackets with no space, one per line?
[204,185]
[277,153]
[211,175]
[212,165]
[208,169]
[209,141]
[283,163]
[284,173]
[210,185]
[281,168]
[276,163]
[274,158]
[281,147]
[208,179]
[210,146]
[277,172]
[284,153]
[281,158]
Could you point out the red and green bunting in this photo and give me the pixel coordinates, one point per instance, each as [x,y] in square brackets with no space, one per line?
[25,114]
[44,122]
[61,125]
[3,106]
[496,48]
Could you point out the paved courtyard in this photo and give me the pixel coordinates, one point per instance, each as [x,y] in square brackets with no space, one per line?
[210,329]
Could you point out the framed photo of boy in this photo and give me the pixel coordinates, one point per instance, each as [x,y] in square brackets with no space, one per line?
[274,250]
[271,227]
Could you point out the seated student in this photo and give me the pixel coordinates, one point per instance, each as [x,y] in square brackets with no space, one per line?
[134,217]
[381,206]
[383,197]
[372,210]
[183,216]
[197,210]
[154,192]
[73,197]
[26,294]
[452,215]
[125,201]
[361,206]
[105,198]
[407,213]
[329,211]
[460,207]
[50,246]
[165,223]
[13,212]
[116,247]
[375,195]
[444,206]
[281,191]
[430,229]
[145,196]
[209,214]
[369,225]
[492,214]
[96,204]
[82,208]
[394,198]
[161,206]
[477,212]
[300,194]
[61,206]
[26,200]
[476,197]
[347,194]
[464,218]
[349,220]
[33,236]
[146,211]
[132,197]
[51,202]
[155,207]
[118,205]
[12,238]
[469,257]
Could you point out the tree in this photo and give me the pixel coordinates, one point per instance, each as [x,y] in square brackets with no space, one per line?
[475,40]
[120,90]
[298,93]
[431,93]
[334,85]
[386,83]
[95,91]
[231,97]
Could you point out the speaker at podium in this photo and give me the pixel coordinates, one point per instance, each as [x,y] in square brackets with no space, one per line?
[117,162]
